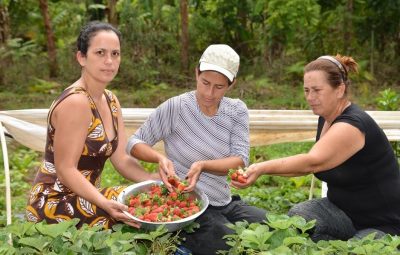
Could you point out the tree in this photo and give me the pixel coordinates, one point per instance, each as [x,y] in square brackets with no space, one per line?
[184,13]
[112,13]
[4,24]
[4,33]
[51,46]
[348,26]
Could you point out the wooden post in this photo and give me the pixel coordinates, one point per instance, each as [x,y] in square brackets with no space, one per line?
[6,174]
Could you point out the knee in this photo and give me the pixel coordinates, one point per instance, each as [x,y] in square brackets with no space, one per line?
[299,210]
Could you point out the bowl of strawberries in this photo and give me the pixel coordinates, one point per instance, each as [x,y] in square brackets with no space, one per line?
[151,204]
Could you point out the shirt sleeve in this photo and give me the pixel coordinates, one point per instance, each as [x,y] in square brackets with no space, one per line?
[158,126]
[240,141]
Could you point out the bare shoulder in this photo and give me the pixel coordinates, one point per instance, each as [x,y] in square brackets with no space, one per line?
[74,108]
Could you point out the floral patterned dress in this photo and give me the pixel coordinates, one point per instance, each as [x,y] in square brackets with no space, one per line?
[49,199]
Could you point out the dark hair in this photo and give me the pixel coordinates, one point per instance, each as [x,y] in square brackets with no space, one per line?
[335,74]
[89,31]
[229,82]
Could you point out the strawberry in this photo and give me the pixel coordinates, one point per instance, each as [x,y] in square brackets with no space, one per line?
[173,181]
[241,179]
[234,176]
[160,205]
[181,187]
[238,175]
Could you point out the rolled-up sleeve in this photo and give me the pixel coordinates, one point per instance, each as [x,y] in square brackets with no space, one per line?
[240,141]
[159,124]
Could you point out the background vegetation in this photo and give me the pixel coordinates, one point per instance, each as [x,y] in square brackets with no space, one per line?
[162,42]
[164,39]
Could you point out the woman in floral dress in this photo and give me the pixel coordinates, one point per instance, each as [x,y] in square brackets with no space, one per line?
[85,128]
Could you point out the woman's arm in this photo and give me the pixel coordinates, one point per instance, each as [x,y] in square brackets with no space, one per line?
[146,153]
[71,119]
[159,125]
[126,165]
[216,167]
[339,143]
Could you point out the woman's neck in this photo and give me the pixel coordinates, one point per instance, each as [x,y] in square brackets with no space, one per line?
[94,88]
[339,110]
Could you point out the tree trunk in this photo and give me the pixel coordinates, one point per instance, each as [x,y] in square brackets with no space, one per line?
[51,46]
[4,35]
[4,25]
[112,12]
[184,12]
[397,43]
[240,37]
[348,27]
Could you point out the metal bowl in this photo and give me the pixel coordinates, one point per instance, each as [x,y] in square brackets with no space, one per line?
[171,226]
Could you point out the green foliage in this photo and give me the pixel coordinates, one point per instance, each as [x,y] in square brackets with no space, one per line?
[282,234]
[273,193]
[44,87]
[18,49]
[273,38]
[277,194]
[23,163]
[65,238]
[388,100]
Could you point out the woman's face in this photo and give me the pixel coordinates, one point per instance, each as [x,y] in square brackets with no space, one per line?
[211,88]
[103,58]
[322,98]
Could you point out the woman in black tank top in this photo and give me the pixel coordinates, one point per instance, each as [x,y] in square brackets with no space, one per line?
[351,154]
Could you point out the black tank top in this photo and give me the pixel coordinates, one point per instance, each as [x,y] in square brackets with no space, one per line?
[367,185]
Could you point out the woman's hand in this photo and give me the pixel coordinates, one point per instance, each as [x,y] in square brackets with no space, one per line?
[115,210]
[251,175]
[193,175]
[166,169]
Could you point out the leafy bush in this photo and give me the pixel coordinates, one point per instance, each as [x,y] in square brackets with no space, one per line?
[282,234]
[388,100]
[65,238]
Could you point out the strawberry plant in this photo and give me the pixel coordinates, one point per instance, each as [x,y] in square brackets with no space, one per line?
[282,234]
[65,238]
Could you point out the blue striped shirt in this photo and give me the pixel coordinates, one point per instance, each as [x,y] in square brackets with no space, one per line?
[190,136]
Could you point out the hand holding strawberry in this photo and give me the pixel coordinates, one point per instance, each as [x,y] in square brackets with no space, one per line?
[250,175]
[238,175]
[179,185]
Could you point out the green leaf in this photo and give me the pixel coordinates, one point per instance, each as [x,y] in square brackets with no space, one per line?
[143,236]
[7,249]
[39,242]
[339,245]
[282,250]
[279,221]
[294,240]
[20,229]
[280,235]
[55,230]
[161,230]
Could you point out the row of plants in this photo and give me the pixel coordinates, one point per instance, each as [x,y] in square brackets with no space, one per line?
[288,235]
[279,234]
[65,238]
